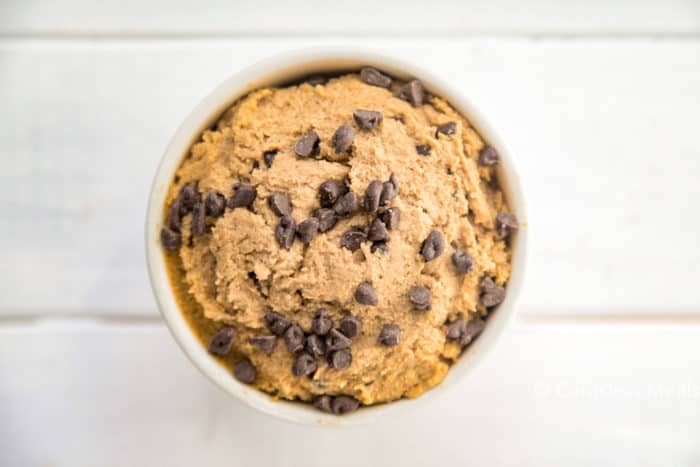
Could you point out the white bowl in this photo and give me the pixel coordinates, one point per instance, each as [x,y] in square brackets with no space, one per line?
[280,69]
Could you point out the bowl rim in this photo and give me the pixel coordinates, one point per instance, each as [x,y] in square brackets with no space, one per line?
[278,69]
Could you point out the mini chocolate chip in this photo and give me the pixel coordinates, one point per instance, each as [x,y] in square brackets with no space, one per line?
[344,404]
[365,294]
[188,197]
[280,204]
[390,217]
[390,189]
[471,331]
[413,92]
[323,403]
[433,246]
[350,326]
[307,144]
[174,216]
[423,149]
[342,138]
[222,340]
[276,323]
[170,239]
[215,203]
[353,238]
[322,322]
[244,371]
[315,345]
[506,224]
[308,229]
[294,338]
[420,298]
[374,77]
[269,157]
[285,231]
[378,231]
[243,196]
[329,192]
[455,330]
[491,293]
[336,340]
[462,261]
[367,119]
[198,215]
[316,80]
[326,219]
[448,129]
[372,195]
[304,365]
[488,156]
[265,343]
[340,359]
[390,335]
[347,205]
[381,246]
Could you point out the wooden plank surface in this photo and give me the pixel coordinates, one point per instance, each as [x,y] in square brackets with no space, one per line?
[604,132]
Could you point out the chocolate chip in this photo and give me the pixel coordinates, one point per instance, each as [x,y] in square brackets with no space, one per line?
[448,129]
[472,330]
[304,365]
[170,239]
[374,77]
[389,190]
[420,298]
[336,340]
[462,261]
[342,138]
[269,157]
[307,144]
[506,223]
[413,93]
[188,197]
[433,246]
[326,219]
[390,335]
[215,203]
[423,149]
[294,338]
[344,404]
[372,195]
[353,238]
[265,343]
[379,246]
[198,215]
[243,196]
[315,345]
[340,359]
[367,119]
[350,326]
[285,231]
[221,342]
[366,295]
[321,322]
[280,204]
[347,205]
[378,231]
[455,330]
[276,323]
[488,156]
[308,229]
[244,371]
[174,216]
[329,192]
[390,217]
[491,293]
[323,403]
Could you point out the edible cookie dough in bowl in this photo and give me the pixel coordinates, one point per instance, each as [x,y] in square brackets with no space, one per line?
[333,233]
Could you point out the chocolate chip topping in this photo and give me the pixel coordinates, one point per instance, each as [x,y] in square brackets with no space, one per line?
[462,261]
[336,340]
[379,246]
[350,326]
[266,344]
[276,323]
[488,156]
[294,338]
[420,298]
[308,229]
[506,223]
[423,149]
[367,119]
[174,217]
[471,331]
[304,365]
[353,238]
[342,138]
[323,403]
[329,192]
[456,329]
[285,231]
[315,345]
[222,340]
[215,203]
[307,144]
[365,294]
[390,217]
[170,239]
[322,322]
[244,371]
[448,129]
[433,246]
[390,335]
[374,77]
[344,404]
[198,216]
[340,359]
[326,219]
[347,205]
[413,93]
[372,195]
[390,189]
[280,204]
[269,158]
[188,197]
[378,231]
[491,293]
[244,194]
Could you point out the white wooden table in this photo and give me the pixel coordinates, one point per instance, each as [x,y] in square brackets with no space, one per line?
[599,102]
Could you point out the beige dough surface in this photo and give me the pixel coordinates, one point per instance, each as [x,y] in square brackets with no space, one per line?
[446,191]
